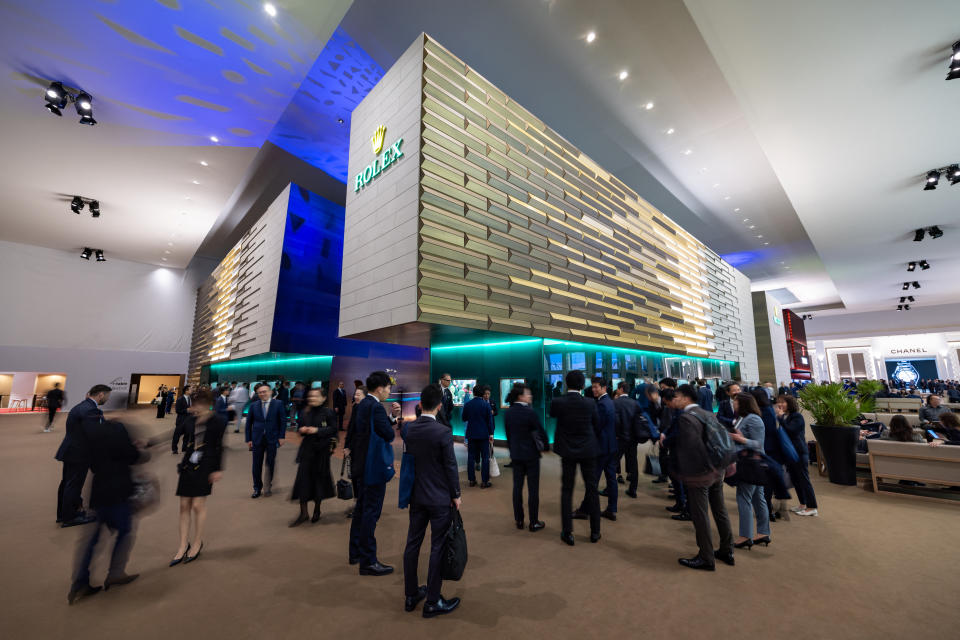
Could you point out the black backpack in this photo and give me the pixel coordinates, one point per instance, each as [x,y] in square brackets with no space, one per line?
[720,449]
[641,428]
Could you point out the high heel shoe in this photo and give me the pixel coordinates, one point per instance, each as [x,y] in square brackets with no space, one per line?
[765,541]
[746,544]
[187,558]
[177,561]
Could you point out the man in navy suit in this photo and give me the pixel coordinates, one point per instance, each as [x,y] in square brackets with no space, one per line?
[265,431]
[479,435]
[436,493]
[445,415]
[74,453]
[183,419]
[340,404]
[608,451]
[725,413]
[704,395]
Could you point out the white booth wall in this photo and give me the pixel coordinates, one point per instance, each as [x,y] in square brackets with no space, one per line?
[877,350]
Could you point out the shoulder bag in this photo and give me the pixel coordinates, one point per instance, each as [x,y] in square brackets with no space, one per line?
[344,487]
[407,477]
[453,556]
[379,464]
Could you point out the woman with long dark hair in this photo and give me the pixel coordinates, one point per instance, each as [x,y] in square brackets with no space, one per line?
[791,421]
[200,468]
[317,426]
[749,434]
[775,458]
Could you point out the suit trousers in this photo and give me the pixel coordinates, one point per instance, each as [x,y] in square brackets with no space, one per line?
[180,431]
[51,414]
[606,466]
[69,495]
[629,453]
[117,518]
[591,501]
[363,525]
[699,499]
[478,449]
[800,477]
[438,517]
[261,449]
[529,469]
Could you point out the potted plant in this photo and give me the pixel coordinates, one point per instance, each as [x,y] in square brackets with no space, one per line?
[834,412]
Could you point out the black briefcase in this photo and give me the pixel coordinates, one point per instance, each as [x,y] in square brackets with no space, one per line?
[344,486]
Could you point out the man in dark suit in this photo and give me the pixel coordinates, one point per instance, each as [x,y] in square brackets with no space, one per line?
[608,450]
[575,441]
[704,395]
[54,402]
[725,413]
[265,432]
[478,417]
[171,395]
[524,428]
[74,453]
[112,453]
[436,492]
[626,411]
[181,429]
[445,415]
[340,404]
[372,422]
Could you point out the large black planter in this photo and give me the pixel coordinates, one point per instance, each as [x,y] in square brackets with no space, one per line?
[838,446]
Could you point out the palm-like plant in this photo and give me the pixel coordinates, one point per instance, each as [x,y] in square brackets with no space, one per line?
[867,391]
[829,404]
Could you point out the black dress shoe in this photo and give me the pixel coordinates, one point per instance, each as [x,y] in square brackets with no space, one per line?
[299,521]
[519,524]
[354,561]
[119,580]
[509,465]
[440,607]
[595,537]
[580,515]
[674,508]
[631,492]
[726,558]
[78,593]
[620,480]
[602,493]
[256,493]
[536,526]
[567,537]
[473,483]
[485,485]
[83,518]
[696,563]
[376,569]
[683,515]
[316,516]
[412,601]
[609,515]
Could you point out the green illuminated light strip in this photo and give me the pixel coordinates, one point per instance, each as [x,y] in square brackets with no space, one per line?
[550,342]
[486,344]
[245,363]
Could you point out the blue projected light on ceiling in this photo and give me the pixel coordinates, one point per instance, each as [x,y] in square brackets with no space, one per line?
[310,127]
[740,258]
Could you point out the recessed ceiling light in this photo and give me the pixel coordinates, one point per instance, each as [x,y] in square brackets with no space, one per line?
[786,267]
[737,210]
[726,197]
[164,259]
[648,106]
[671,131]
[204,163]
[169,244]
[186,197]
[166,251]
[591,37]
[270,9]
[623,74]
[688,152]
[183,213]
[765,243]
[716,184]
[214,139]
[196,182]
[752,226]
[760,237]
[746,219]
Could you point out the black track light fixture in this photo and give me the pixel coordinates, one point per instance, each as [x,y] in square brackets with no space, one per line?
[906,285]
[100,257]
[916,285]
[906,307]
[899,307]
[911,266]
[95,208]
[918,235]
[924,265]
[85,254]
[935,232]
[903,299]
[84,103]
[953,173]
[910,299]
[933,178]
[76,205]
[953,71]
[56,97]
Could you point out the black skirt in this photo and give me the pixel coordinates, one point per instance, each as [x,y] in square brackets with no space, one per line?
[314,481]
[194,482]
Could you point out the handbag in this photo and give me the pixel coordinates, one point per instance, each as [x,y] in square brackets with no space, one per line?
[407,477]
[344,487]
[379,464]
[786,446]
[453,556]
[494,467]
[751,469]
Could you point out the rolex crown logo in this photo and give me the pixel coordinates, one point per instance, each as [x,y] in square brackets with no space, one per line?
[377,139]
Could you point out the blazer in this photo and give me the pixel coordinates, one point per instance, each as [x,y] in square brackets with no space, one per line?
[578,424]
[607,435]
[705,398]
[479,419]
[75,448]
[271,426]
[112,453]
[340,399]
[221,406]
[436,478]
[520,423]
[181,409]
[796,428]
[627,409]
[369,409]
[753,429]
[445,415]
[725,413]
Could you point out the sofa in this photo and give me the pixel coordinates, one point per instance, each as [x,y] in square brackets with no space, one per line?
[890,460]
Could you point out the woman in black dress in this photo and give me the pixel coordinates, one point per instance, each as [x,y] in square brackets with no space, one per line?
[318,429]
[162,401]
[200,468]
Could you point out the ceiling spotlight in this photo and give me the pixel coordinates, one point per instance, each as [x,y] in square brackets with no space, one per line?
[916,285]
[95,208]
[623,75]
[933,177]
[648,106]
[918,235]
[270,9]
[591,37]
[85,254]
[736,210]
[899,307]
[906,307]
[339,120]
[924,265]
[84,104]
[910,299]
[204,163]
[214,139]
[911,266]
[953,173]
[903,299]
[671,131]
[687,152]
[76,205]
[953,71]
[56,97]
[906,285]
[100,257]
[935,232]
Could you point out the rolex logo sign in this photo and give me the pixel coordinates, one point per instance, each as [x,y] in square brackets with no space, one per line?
[381,162]
[377,139]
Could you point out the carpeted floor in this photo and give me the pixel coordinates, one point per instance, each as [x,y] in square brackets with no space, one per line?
[870,567]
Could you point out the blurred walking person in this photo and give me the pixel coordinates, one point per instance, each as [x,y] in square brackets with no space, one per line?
[55,400]
[317,425]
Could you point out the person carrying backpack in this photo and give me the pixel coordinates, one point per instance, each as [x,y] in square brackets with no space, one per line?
[704,450]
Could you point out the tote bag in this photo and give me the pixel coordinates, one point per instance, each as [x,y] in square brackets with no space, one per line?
[379,465]
[344,487]
[494,467]
[453,556]
[786,446]
[407,477]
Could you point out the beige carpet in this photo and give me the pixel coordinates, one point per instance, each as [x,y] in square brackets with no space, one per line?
[870,567]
